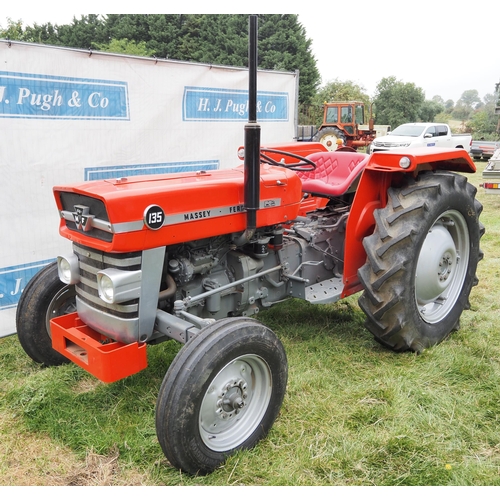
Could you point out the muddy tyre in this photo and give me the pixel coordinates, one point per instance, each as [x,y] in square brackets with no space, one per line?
[421,261]
[45,297]
[328,137]
[222,393]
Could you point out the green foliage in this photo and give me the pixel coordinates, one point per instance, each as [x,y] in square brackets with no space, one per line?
[461,112]
[483,122]
[334,90]
[470,99]
[14,31]
[449,104]
[443,117]
[124,46]
[337,90]
[429,110]
[208,38]
[479,124]
[397,102]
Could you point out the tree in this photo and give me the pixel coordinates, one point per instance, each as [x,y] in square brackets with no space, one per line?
[484,122]
[449,105]
[429,110]
[334,90]
[83,33]
[14,31]
[397,102]
[461,112]
[470,99]
[124,46]
[207,38]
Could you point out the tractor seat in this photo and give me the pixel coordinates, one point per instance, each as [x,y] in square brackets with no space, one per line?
[334,174]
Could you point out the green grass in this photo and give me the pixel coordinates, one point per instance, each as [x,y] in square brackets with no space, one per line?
[354,413]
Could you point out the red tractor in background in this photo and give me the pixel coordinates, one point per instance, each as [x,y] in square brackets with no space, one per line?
[191,256]
[344,121]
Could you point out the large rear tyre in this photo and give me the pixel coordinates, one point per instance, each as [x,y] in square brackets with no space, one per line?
[45,297]
[328,137]
[421,261]
[222,393]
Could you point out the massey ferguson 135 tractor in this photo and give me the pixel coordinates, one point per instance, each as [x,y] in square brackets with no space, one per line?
[191,256]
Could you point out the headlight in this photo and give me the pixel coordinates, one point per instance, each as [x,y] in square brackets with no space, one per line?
[115,286]
[404,162]
[106,289]
[68,269]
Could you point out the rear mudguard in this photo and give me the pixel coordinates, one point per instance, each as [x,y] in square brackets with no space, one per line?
[383,171]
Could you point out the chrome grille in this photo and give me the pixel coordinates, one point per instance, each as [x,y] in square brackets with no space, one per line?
[91,261]
[69,201]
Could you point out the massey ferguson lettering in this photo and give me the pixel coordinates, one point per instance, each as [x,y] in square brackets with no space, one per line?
[202,214]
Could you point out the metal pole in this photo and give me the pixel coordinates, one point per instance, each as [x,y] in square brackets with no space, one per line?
[252,133]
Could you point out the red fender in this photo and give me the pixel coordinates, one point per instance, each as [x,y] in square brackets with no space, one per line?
[383,171]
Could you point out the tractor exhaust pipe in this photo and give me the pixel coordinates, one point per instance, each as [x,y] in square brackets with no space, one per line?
[252,136]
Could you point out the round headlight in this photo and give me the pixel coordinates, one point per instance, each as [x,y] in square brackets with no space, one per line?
[64,270]
[106,289]
[404,162]
[68,269]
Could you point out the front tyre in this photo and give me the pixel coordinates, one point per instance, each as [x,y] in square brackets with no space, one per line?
[328,137]
[45,297]
[222,393]
[421,261]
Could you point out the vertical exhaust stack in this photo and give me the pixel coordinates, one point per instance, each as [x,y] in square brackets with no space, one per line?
[252,136]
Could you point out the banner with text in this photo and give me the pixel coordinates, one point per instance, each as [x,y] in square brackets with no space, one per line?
[68,116]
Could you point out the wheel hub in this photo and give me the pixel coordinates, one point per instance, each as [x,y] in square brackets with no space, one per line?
[232,399]
[435,264]
[235,402]
[441,266]
[329,141]
[445,267]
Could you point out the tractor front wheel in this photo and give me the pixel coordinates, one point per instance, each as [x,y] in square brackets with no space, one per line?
[45,297]
[421,261]
[221,394]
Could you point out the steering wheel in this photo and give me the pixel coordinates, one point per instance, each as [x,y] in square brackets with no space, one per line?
[303,165]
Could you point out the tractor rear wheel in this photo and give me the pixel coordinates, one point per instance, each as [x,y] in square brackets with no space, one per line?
[421,261]
[45,297]
[221,394]
[328,137]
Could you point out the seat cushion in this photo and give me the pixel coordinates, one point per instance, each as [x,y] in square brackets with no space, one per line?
[335,172]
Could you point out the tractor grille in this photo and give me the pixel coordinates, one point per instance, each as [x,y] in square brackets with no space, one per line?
[92,261]
[96,208]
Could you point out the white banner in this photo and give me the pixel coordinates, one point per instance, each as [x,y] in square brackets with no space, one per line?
[71,115]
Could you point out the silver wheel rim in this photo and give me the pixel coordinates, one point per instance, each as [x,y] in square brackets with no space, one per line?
[442,266]
[235,403]
[62,303]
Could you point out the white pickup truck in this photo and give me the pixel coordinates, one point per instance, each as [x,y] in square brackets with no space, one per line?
[421,135]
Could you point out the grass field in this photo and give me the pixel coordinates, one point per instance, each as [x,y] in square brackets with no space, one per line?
[354,413]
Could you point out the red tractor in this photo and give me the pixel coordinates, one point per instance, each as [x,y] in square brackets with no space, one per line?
[191,256]
[343,122]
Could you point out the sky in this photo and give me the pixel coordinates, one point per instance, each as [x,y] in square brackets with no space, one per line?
[444,47]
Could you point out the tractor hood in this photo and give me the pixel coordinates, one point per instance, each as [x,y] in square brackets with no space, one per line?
[137,213]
